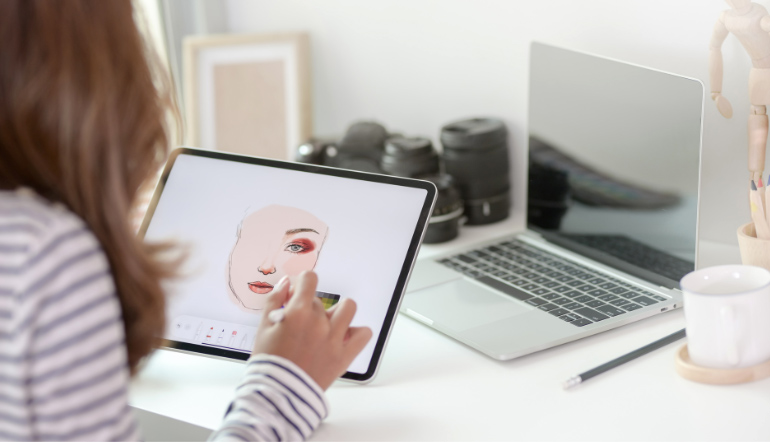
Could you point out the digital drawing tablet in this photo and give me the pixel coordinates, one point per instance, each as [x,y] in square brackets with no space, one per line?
[245,222]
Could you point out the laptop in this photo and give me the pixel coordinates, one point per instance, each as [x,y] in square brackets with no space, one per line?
[612,213]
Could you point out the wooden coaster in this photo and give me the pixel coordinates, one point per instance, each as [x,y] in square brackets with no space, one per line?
[688,370]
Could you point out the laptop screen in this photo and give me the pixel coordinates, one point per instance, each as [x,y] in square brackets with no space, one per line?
[614,152]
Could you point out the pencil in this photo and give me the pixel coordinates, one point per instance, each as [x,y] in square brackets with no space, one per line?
[582,377]
[766,199]
[758,213]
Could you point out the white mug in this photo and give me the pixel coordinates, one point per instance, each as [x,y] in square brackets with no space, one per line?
[727,312]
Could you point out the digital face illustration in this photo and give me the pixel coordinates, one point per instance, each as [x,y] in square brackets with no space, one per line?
[273,242]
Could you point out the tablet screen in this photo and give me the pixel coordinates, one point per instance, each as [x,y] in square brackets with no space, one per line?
[245,223]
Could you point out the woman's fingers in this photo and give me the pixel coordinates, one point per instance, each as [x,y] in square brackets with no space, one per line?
[304,290]
[320,342]
[278,296]
[356,340]
[341,317]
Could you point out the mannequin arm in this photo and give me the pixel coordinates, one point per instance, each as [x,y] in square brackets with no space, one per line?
[715,67]
[715,55]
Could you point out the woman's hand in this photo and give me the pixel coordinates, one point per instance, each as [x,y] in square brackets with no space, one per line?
[320,342]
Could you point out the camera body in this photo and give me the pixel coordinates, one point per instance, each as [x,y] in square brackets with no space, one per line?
[361,148]
[475,158]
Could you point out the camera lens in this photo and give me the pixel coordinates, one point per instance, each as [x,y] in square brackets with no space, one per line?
[476,155]
[415,157]
[409,157]
[444,223]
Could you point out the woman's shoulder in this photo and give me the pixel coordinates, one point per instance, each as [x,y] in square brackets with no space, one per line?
[40,239]
[27,219]
[24,211]
[62,340]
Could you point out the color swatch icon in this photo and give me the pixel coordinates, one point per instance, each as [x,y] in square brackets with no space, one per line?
[328,299]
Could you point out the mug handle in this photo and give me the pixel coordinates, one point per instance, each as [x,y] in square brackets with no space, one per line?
[727,314]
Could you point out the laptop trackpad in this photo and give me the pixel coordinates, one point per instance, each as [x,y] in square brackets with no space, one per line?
[461,304]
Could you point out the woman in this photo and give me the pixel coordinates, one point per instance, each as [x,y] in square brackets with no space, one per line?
[81,303]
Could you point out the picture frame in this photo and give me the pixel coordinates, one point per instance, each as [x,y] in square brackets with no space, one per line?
[247,93]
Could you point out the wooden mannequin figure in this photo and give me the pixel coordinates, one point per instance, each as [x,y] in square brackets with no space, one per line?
[750,23]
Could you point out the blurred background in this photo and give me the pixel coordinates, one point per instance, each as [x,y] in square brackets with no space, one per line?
[415,65]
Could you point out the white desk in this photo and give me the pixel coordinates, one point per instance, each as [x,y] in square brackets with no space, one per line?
[432,387]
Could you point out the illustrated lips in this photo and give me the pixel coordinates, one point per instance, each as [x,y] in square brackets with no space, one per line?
[260,287]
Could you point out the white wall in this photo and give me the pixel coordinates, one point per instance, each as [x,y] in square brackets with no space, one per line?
[415,65]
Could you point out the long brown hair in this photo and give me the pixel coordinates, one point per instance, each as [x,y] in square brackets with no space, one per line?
[83,123]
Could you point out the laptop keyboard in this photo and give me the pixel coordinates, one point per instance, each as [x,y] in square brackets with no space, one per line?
[638,254]
[570,291]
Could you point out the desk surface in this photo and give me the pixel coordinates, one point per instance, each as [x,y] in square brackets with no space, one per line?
[432,387]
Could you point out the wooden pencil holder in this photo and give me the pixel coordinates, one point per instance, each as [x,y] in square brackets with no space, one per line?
[754,251]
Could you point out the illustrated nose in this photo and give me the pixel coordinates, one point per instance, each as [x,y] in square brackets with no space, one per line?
[267,268]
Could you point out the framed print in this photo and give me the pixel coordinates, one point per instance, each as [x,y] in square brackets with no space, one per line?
[248,93]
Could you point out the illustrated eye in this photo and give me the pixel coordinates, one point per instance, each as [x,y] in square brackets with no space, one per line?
[299,246]
[295,248]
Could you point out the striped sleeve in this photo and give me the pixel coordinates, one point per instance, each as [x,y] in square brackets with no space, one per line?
[276,401]
[63,367]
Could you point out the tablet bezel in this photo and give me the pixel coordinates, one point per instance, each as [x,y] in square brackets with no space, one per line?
[406,268]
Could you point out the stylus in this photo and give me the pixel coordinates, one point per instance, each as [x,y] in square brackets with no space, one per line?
[582,377]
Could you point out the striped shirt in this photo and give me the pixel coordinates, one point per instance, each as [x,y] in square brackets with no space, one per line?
[276,401]
[63,365]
